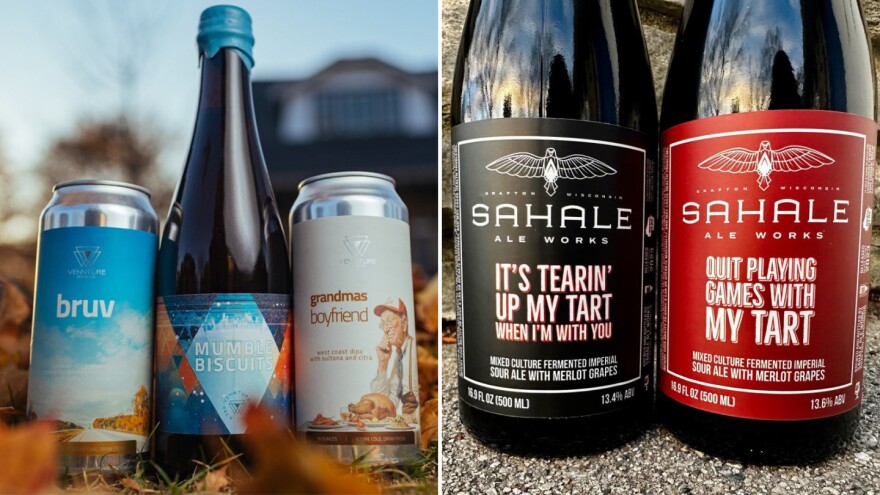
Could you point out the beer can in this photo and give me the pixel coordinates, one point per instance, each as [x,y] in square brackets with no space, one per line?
[355,355]
[91,341]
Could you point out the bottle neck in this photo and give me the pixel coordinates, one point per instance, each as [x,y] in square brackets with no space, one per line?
[224,155]
[225,92]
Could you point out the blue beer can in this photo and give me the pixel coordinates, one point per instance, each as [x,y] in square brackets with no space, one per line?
[91,341]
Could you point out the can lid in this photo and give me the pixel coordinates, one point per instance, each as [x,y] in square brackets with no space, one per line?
[338,175]
[96,182]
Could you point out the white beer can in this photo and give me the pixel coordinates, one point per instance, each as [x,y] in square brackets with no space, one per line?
[355,354]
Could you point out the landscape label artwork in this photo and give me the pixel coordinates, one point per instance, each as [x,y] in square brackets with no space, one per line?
[92,327]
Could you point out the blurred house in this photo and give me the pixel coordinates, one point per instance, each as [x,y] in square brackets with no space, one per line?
[361,114]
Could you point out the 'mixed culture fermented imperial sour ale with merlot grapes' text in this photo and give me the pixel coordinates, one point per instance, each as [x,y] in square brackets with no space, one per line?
[222,331]
[554,145]
[768,143]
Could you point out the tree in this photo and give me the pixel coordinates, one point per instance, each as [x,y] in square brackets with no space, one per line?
[117,45]
[7,187]
[141,403]
[110,149]
[123,143]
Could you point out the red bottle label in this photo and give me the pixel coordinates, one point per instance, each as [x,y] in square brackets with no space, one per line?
[767,231]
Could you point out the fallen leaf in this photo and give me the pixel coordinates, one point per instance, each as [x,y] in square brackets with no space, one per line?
[216,480]
[429,421]
[15,311]
[15,307]
[428,307]
[13,387]
[428,373]
[419,277]
[15,350]
[284,465]
[30,459]
[133,485]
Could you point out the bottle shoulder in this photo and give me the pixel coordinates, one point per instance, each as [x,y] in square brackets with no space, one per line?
[774,56]
[577,60]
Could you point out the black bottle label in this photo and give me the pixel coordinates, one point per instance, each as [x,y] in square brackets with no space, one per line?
[555,265]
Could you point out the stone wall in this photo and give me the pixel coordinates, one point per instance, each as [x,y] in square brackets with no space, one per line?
[660,19]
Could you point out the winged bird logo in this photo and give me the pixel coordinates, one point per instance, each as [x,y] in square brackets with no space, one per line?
[766,160]
[551,168]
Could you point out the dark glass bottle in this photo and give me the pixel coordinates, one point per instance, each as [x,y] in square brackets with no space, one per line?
[738,56]
[224,274]
[575,70]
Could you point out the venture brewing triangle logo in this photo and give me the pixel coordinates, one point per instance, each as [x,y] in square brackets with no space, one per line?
[87,258]
[765,161]
[357,246]
[551,168]
[233,404]
[87,255]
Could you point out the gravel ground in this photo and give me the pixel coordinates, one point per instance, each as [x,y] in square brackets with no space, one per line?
[657,462]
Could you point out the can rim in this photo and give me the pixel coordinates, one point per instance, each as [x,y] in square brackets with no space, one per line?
[96,182]
[336,175]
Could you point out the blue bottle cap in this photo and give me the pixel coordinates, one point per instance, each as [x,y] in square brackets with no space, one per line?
[226,26]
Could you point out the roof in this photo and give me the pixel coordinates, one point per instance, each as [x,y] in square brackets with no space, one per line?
[410,160]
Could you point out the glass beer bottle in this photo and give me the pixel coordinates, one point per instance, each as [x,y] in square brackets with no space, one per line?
[223,306]
[769,142]
[554,144]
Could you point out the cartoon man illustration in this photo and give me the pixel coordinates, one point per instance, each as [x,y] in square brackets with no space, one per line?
[397,376]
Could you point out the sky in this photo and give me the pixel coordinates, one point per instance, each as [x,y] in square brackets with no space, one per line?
[58,59]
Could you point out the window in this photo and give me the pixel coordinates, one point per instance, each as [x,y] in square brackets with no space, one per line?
[358,114]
